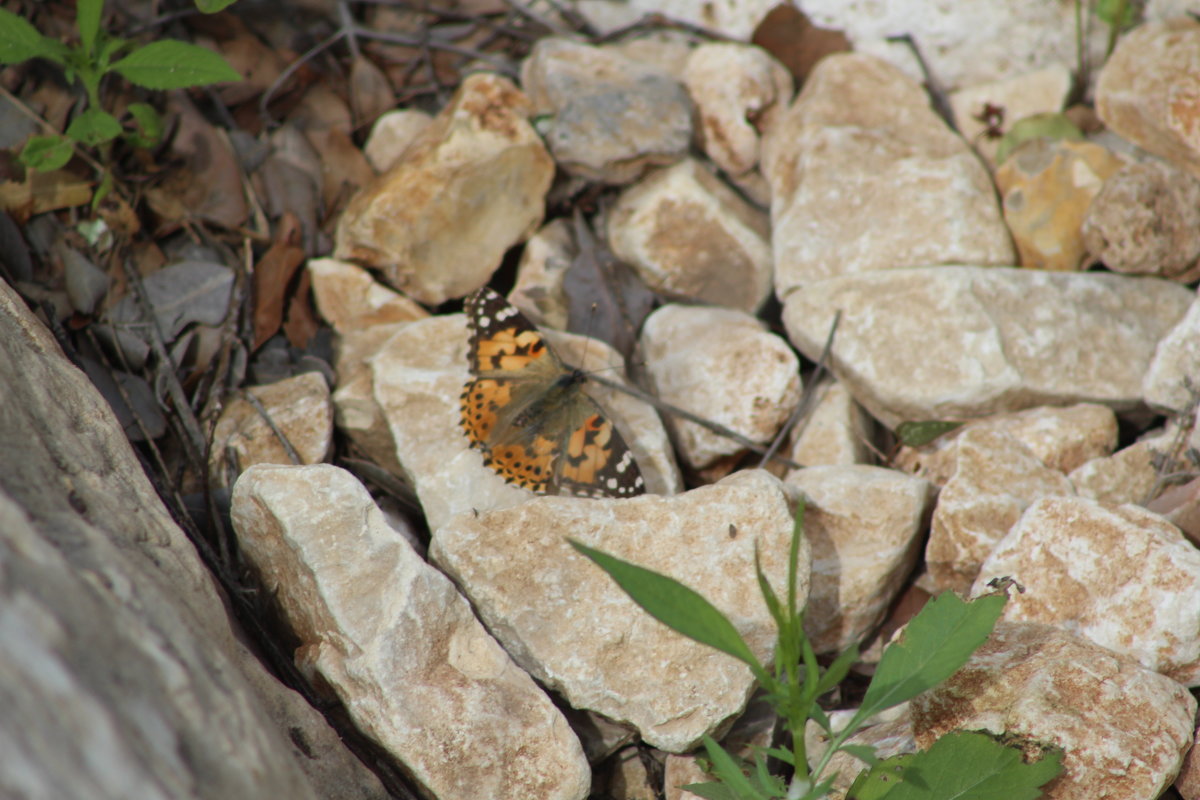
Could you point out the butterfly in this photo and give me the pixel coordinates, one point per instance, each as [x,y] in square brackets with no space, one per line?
[527,411]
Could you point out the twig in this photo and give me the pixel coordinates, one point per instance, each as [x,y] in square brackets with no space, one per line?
[279,434]
[46,126]
[937,93]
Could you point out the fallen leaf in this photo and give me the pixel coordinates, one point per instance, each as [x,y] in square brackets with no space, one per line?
[272,276]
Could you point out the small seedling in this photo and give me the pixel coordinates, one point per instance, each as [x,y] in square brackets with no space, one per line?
[165,64]
[934,645]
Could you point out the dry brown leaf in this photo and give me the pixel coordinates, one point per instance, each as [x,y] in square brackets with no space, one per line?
[43,191]
[370,92]
[272,275]
[302,323]
[788,34]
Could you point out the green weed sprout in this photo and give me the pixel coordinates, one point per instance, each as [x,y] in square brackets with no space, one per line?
[933,646]
[165,64]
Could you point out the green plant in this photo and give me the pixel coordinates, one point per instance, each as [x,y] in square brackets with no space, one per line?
[933,646]
[165,64]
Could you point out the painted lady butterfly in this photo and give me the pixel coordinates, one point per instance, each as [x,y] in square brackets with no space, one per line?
[527,411]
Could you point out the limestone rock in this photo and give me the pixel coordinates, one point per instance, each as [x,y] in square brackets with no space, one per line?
[996,478]
[864,525]
[398,644]
[954,342]
[1047,187]
[349,299]
[577,633]
[391,135]
[738,89]
[1123,728]
[835,433]
[1149,90]
[722,365]
[1176,361]
[472,185]
[539,291]
[689,236]
[1119,575]
[1180,506]
[1041,91]
[1146,220]
[864,176]
[1127,476]
[737,20]
[299,407]
[403,412]
[609,118]
[110,619]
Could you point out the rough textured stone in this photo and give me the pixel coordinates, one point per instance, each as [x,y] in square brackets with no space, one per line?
[1047,187]
[954,342]
[1123,729]
[1041,91]
[609,118]
[864,525]
[545,259]
[573,629]
[350,299]
[995,479]
[836,431]
[724,366]
[738,90]
[691,237]
[472,185]
[1146,220]
[1149,90]
[1127,476]
[1176,361]
[736,19]
[398,644]
[110,619]
[391,135]
[864,176]
[1119,575]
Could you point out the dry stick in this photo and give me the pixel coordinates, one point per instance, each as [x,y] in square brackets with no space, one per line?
[937,93]
[46,126]
[715,427]
[279,434]
[809,392]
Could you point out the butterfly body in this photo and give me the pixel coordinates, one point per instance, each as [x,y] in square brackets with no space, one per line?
[528,413]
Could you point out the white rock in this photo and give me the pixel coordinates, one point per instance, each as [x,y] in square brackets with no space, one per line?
[864,525]
[474,183]
[724,366]
[1176,360]
[954,342]
[835,433]
[738,89]
[572,628]
[403,412]
[995,480]
[400,647]
[864,176]
[1119,575]
[1041,91]
[736,19]
[689,236]
[391,135]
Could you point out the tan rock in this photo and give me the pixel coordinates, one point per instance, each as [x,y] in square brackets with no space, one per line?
[864,176]
[724,366]
[1187,783]
[864,525]
[567,623]
[1149,90]
[391,135]
[738,90]
[679,771]
[835,433]
[1046,187]
[628,778]
[470,186]
[1123,728]
[1180,506]
[1041,91]
[1176,362]
[350,299]
[299,407]
[691,237]
[1129,475]
[995,480]
[544,262]
[388,632]
[606,117]
[1119,575]
[1061,438]
[955,342]
[403,412]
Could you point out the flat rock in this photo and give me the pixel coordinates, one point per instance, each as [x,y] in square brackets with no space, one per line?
[1176,360]
[1123,728]
[954,342]
[722,365]
[566,622]
[398,644]
[471,185]
[691,237]
[1128,475]
[1119,575]
[864,176]
[864,526]
[1149,90]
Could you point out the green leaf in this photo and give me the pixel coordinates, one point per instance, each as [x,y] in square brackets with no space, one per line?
[213,6]
[974,766]
[171,64]
[1118,14]
[149,125]
[675,605]
[915,434]
[838,670]
[1036,126]
[713,790]
[20,41]
[47,153]
[111,46]
[729,771]
[94,126]
[879,780]
[934,644]
[773,605]
[87,19]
